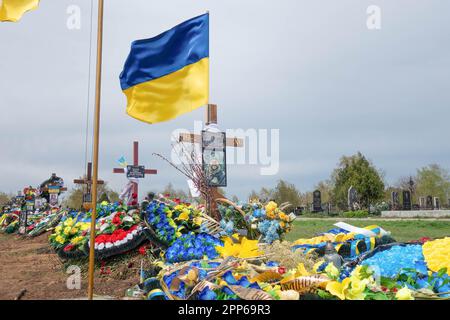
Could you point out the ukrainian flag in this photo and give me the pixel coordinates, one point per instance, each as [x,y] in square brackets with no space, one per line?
[168,75]
[13,10]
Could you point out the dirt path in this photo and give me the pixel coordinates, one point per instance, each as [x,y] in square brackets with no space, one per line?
[32,265]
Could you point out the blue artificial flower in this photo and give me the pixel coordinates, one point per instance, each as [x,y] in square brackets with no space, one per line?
[207,294]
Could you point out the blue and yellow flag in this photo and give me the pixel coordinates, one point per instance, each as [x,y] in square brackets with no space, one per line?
[168,75]
[13,10]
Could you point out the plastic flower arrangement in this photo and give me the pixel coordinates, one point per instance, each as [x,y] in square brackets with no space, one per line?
[267,223]
[170,223]
[193,247]
[70,235]
[360,285]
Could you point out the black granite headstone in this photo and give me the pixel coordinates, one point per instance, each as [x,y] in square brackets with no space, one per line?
[317,201]
[407,200]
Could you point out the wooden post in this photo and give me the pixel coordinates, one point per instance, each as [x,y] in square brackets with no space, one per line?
[96,148]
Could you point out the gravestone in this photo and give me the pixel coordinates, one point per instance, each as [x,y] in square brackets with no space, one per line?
[395,200]
[317,201]
[429,204]
[437,203]
[352,197]
[407,200]
[422,203]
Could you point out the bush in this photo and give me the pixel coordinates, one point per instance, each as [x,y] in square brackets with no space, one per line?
[356,214]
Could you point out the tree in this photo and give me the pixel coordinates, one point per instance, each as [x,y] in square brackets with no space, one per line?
[175,193]
[4,199]
[287,192]
[264,195]
[359,172]
[433,180]
[75,196]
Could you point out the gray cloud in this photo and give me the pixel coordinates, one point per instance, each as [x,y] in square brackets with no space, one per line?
[311,69]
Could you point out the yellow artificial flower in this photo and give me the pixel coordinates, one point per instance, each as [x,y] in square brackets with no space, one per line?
[437,254]
[85,226]
[60,239]
[69,222]
[301,271]
[74,231]
[282,224]
[356,290]
[77,240]
[332,270]
[337,288]
[404,294]
[245,249]
[184,216]
[169,213]
[198,221]
[270,215]
[271,206]
[67,230]
[58,229]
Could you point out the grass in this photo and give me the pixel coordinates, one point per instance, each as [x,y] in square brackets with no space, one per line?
[402,231]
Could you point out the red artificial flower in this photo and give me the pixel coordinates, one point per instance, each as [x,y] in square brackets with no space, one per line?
[282,270]
[116,220]
[425,239]
[69,248]
[134,196]
[143,250]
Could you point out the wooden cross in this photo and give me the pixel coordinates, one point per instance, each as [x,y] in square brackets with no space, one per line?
[135,163]
[87,204]
[211,118]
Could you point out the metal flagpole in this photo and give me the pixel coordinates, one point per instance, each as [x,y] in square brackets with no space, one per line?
[96,147]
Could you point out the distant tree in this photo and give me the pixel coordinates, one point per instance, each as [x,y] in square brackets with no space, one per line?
[264,195]
[359,172]
[175,193]
[287,192]
[75,197]
[433,180]
[4,198]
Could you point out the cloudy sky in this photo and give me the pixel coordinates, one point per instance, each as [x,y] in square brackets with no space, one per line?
[309,68]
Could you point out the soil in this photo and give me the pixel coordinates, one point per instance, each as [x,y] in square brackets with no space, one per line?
[31,270]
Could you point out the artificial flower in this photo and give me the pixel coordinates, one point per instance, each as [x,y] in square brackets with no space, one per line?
[404,294]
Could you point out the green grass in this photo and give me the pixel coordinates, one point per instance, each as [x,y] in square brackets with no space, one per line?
[400,230]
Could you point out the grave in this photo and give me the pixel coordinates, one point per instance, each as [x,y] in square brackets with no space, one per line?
[135,171]
[407,205]
[87,183]
[317,202]
[352,197]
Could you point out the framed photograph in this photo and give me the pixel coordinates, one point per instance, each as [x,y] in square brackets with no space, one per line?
[214,158]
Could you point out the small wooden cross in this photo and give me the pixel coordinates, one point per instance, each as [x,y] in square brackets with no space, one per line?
[88,183]
[136,163]
[211,118]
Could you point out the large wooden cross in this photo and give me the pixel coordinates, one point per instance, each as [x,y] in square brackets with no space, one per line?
[87,181]
[211,118]
[135,163]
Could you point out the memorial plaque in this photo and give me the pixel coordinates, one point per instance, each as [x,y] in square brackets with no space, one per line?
[214,158]
[317,201]
[136,172]
[407,200]
[87,198]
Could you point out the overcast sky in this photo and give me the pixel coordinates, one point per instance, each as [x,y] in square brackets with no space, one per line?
[309,68]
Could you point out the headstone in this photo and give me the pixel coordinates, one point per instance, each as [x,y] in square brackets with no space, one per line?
[395,200]
[352,198]
[422,203]
[437,203]
[429,204]
[317,201]
[407,200]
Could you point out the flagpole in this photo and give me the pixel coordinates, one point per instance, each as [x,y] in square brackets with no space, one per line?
[95,151]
